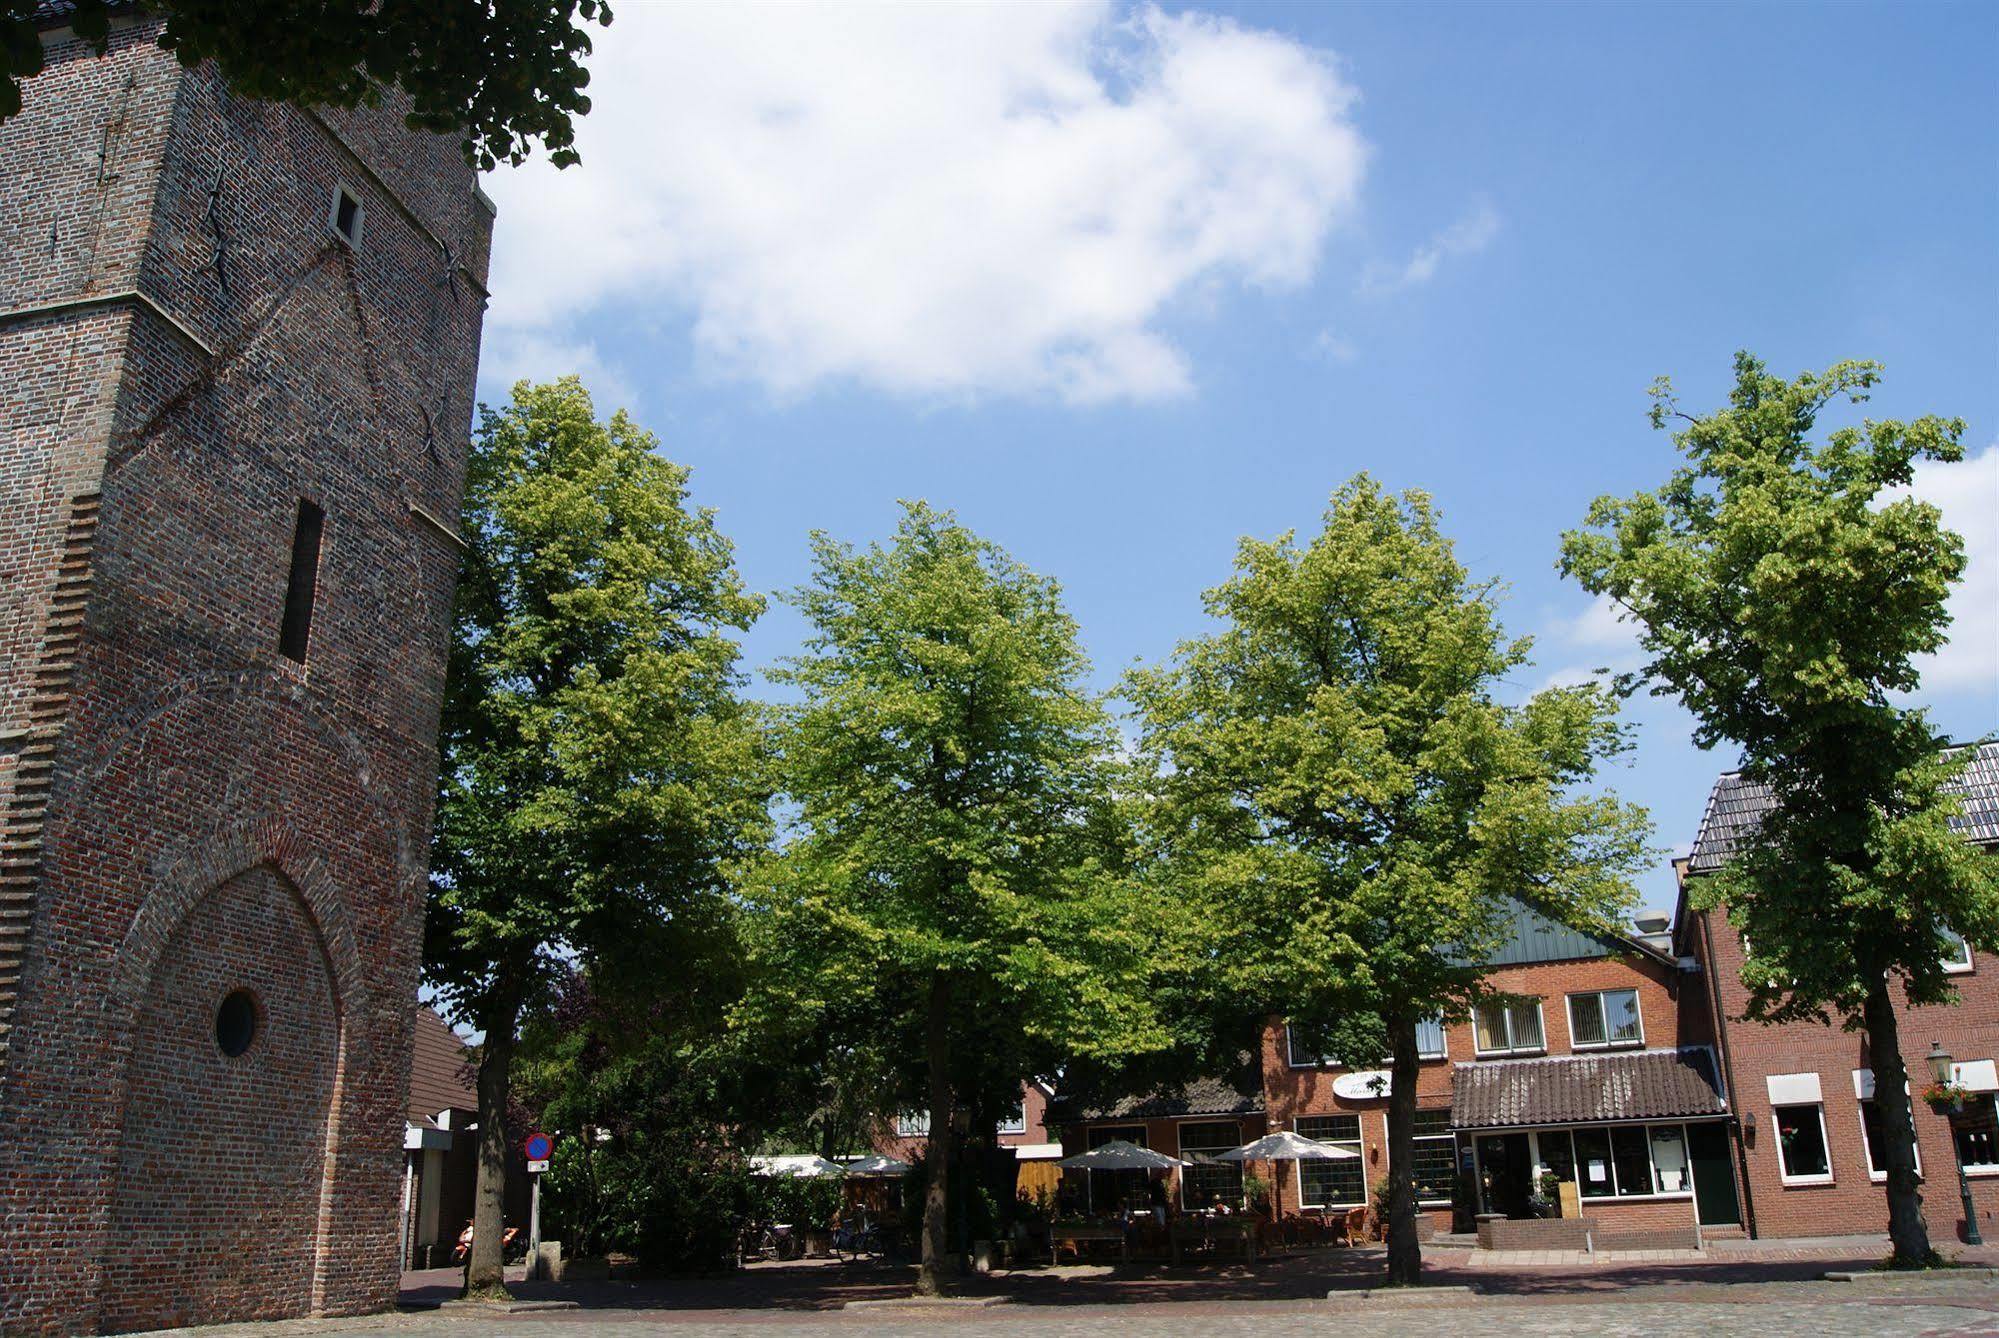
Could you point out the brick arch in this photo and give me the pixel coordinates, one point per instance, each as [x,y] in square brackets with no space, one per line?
[264,842]
[243,909]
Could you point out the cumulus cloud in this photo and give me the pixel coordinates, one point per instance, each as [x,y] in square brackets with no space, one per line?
[1600,632]
[512,353]
[1967,493]
[931,200]
[1466,237]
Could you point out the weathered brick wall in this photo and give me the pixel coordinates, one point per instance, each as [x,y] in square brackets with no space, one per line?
[1854,1202]
[208,815]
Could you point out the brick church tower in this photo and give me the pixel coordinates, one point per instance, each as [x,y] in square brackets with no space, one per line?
[237,351]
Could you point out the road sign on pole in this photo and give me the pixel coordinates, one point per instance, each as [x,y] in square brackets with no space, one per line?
[539,1147]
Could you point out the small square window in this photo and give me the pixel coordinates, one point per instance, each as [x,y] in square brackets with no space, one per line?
[345,216]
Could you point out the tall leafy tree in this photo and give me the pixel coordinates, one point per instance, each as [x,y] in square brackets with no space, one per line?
[1345,794]
[1781,595]
[598,770]
[955,851]
[504,74]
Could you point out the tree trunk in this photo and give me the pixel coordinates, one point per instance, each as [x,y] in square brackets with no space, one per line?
[933,1279]
[1907,1232]
[1405,1255]
[484,1273]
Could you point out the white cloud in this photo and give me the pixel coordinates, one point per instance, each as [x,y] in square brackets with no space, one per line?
[1331,346]
[932,200]
[1466,237]
[511,354]
[1600,631]
[1968,495]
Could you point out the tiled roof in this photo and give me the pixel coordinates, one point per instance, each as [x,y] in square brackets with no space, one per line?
[1633,1085]
[440,1069]
[1203,1096]
[1736,806]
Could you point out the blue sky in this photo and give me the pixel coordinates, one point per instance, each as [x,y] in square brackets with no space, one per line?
[1121,284]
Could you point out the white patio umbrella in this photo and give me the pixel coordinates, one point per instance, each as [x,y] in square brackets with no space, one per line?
[802,1166]
[1287,1146]
[1122,1155]
[877,1164]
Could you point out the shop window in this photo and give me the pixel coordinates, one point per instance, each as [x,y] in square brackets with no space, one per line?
[1801,1146]
[1508,1028]
[1977,1134]
[1208,1182]
[1669,1160]
[1596,1177]
[1110,1190]
[1332,1184]
[1434,1159]
[1631,1158]
[1605,1018]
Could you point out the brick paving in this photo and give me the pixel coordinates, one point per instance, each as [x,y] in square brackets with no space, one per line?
[1770,1291]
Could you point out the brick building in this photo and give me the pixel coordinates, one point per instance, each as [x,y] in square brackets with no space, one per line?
[1804,1091]
[1599,1069]
[1024,1129]
[237,352]
[440,1143]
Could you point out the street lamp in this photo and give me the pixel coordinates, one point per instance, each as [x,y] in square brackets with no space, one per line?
[1940,1069]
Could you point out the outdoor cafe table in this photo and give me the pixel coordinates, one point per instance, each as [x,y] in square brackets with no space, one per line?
[1080,1233]
[1210,1231]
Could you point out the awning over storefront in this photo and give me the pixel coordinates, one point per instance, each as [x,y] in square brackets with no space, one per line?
[1585,1089]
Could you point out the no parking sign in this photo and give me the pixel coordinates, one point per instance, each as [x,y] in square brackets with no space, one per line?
[539,1148]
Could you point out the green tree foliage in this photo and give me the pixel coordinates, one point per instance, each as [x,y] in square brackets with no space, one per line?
[649,1115]
[502,73]
[1349,804]
[598,771]
[1782,597]
[953,896]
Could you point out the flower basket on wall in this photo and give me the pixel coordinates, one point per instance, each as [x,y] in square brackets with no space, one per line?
[1944,1097]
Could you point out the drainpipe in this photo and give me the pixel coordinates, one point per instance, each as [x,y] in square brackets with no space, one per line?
[1720,1024]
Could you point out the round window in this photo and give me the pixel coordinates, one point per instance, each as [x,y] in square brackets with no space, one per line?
[236,1023]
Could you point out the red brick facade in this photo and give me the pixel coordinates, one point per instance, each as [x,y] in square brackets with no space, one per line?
[186,353]
[1849,1199]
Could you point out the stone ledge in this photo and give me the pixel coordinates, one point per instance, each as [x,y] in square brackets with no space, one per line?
[928,1303]
[1418,1295]
[461,1307]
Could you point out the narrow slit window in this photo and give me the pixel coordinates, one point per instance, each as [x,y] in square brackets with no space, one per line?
[303,588]
[345,216]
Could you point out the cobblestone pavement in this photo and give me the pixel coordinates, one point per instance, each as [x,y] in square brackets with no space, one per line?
[1873,1307]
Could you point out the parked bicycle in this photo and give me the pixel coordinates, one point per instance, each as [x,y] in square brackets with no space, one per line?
[858,1240]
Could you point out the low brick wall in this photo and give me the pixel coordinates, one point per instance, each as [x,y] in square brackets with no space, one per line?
[1533,1233]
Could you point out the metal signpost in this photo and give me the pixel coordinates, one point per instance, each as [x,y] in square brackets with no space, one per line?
[539,1147]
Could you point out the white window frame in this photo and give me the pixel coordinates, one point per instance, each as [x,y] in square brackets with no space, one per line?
[1616,1194]
[1180,1148]
[1291,1052]
[1962,965]
[1541,1015]
[1444,1036]
[1013,1124]
[1860,1106]
[1358,1144]
[1606,1043]
[1783,1165]
[1449,1135]
[913,1124]
[1976,1168]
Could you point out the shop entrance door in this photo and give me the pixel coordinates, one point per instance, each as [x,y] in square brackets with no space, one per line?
[1506,1174]
[1714,1178]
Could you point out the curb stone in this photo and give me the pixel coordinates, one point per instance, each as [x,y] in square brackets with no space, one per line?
[928,1303]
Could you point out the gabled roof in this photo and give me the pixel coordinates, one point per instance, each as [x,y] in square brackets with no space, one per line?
[440,1069]
[1631,1085]
[1736,808]
[1203,1096]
